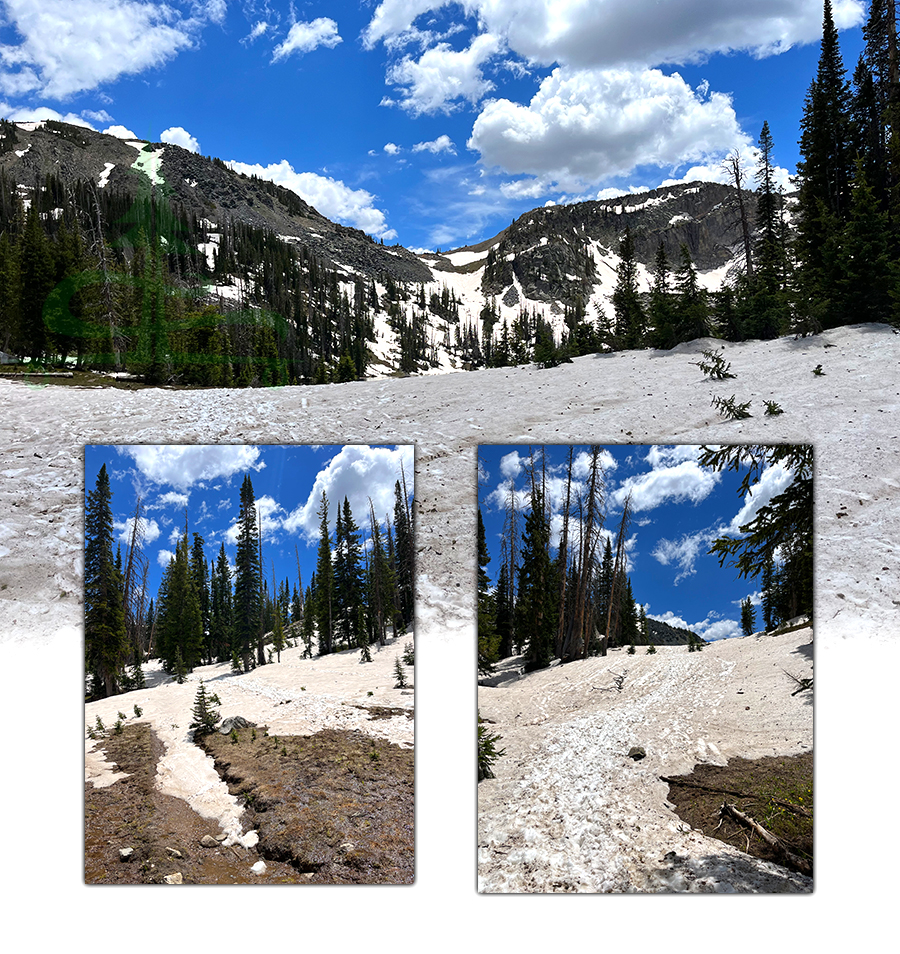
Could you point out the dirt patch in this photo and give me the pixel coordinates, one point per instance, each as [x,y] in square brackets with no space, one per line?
[336,806]
[775,791]
[132,813]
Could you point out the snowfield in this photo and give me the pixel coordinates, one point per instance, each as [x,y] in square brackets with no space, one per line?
[569,811]
[851,414]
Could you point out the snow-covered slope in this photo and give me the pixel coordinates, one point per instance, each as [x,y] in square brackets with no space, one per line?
[851,414]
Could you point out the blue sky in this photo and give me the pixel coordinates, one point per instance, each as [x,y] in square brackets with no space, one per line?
[287,483]
[427,123]
[678,509]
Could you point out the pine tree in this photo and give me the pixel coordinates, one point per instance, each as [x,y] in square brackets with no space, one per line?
[248,578]
[630,321]
[488,642]
[405,562]
[537,622]
[324,583]
[106,644]
[348,585]
[748,617]
[206,715]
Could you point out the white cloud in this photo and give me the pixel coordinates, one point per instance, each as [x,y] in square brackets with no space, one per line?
[170,499]
[305,37]
[148,530]
[441,76]
[331,197]
[120,132]
[28,114]
[164,557]
[391,148]
[685,481]
[710,629]
[683,552]
[773,481]
[69,46]
[584,126]
[357,473]
[590,33]
[260,28]
[180,137]
[442,144]
[181,466]
[97,116]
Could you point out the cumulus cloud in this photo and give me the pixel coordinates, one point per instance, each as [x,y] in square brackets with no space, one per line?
[179,136]
[684,481]
[120,132]
[182,466]
[584,126]
[773,481]
[357,473]
[442,76]
[329,196]
[306,37]
[68,46]
[442,144]
[164,558]
[391,148]
[583,34]
[710,629]
[28,114]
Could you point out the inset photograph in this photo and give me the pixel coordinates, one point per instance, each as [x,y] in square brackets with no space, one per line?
[249,664]
[645,669]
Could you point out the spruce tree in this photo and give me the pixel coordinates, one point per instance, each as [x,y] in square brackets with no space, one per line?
[630,321]
[748,617]
[488,641]
[247,578]
[105,641]
[536,624]
[324,583]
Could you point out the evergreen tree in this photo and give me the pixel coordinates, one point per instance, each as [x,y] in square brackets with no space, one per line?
[348,584]
[405,562]
[488,642]
[324,583]
[221,622]
[630,322]
[536,620]
[748,617]
[105,641]
[691,306]
[206,715]
[247,579]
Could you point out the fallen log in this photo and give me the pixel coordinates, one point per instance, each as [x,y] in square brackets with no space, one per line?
[781,849]
[796,809]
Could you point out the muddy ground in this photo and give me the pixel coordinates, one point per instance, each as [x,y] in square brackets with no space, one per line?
[776,791]
[333,808]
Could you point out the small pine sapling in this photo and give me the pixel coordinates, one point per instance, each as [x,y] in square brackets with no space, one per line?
[715,366]
[409,654]
[206,716]
[488,752]
[631,649]
[138,711]
[400,675]
[817,370]
[122,716]
[101,728]
[651,650]
[773,408]
[730,409]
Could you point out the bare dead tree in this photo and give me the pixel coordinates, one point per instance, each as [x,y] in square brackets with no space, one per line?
[612,614]
[736,173]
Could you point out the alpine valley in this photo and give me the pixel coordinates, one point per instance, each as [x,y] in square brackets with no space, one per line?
[146,259]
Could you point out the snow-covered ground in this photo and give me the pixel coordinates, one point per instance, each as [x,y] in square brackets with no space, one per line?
[851,414]
[569,811]
[296,696]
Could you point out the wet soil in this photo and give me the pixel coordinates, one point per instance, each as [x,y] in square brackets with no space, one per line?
[336,806]
[777,792]
[332,808]
[163,832]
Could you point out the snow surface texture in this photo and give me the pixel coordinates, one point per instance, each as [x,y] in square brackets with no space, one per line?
[850,414]
[294,697]
[570,811]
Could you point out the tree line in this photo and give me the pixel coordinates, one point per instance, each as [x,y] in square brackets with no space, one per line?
[838,262]
[360,594]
